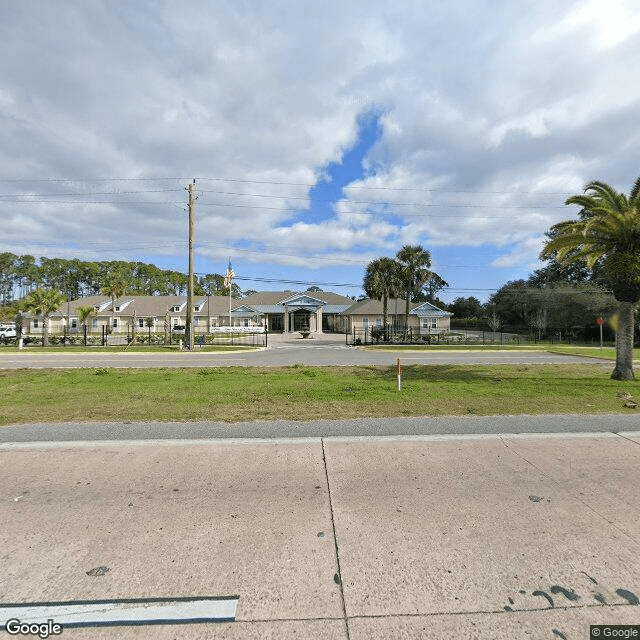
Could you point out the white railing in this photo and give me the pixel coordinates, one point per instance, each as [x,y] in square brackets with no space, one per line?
[237,329]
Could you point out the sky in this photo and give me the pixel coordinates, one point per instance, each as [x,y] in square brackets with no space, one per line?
[321,135]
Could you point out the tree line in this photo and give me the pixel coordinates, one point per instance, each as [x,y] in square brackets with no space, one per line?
[22,274]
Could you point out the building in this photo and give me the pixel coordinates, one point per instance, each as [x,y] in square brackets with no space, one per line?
[424,318]
[275,311]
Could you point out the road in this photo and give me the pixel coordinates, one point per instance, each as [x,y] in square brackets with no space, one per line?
[281,429]
[325,350]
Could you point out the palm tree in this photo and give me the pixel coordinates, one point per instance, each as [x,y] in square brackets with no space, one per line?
[608,232]
[84,313]
[43,302]
[381,282]
[115,287]
[414,262]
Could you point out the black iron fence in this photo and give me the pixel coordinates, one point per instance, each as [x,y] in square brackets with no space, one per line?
[509,336]
[239,336]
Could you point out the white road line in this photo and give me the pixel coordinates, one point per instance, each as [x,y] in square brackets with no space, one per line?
[123,612]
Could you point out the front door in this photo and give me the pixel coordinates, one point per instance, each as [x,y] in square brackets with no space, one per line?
[301,320]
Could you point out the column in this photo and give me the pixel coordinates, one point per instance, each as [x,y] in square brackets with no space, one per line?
[319,320]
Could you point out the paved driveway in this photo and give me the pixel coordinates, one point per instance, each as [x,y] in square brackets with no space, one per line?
[323,350]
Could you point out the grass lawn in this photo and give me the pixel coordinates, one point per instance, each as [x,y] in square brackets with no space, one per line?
[455,347]
[304,393]
[596,352]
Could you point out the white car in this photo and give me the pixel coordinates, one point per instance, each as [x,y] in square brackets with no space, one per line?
[7,333]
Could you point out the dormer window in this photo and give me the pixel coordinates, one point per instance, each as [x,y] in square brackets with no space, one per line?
[175,308]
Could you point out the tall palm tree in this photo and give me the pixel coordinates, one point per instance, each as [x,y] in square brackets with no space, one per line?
[608,231]
[43,302]
[381,281]
[414,262]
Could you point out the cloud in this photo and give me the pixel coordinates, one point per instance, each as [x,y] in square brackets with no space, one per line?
[491,115]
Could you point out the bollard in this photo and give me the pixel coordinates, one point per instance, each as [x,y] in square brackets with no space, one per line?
[20,343]
[180,344]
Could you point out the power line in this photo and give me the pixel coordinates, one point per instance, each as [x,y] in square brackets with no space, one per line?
[274,182]
[383,202]
[92,193]
[429,190]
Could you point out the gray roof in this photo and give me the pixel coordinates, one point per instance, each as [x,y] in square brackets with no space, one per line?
[157,306]
[275,298]
[148,306]
[372,307]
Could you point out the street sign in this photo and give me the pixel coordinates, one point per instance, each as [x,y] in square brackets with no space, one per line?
[600,321]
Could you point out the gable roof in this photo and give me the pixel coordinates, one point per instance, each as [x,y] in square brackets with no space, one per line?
[279,297]
[395,306]
[428,309]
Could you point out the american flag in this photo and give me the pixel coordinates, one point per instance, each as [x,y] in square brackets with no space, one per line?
[229,276]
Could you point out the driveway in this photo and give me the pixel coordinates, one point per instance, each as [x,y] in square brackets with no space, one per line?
[283,350]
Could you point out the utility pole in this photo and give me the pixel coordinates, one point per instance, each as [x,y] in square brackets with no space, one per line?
[192,211]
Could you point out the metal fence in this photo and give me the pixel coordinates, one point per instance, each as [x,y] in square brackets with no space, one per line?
[239,336]
[512,336]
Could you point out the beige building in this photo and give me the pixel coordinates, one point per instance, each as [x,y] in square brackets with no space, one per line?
[424,318]
[275,311]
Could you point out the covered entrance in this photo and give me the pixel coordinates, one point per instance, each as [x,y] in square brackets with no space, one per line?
[301,320]
[303,313]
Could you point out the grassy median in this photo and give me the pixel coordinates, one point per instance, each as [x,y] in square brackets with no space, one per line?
[303,393]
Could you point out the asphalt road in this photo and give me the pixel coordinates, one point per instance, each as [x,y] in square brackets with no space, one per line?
[281,429]
[320,353]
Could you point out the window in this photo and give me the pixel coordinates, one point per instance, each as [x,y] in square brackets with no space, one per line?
[74,323]
[141,322]
[94,323]
[115,323]
[429,323]
[118,308]
[175,308]
[36,323]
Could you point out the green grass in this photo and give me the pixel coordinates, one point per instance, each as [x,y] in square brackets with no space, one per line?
[595,352]
[303,393]
[454,347]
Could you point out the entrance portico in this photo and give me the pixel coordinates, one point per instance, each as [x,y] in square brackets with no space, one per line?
[303,313]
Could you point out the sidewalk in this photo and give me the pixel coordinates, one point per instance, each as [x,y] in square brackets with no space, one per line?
[485,537]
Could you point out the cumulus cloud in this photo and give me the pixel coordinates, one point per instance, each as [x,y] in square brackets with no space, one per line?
[490,116]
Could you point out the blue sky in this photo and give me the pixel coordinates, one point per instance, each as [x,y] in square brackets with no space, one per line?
[321,135]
